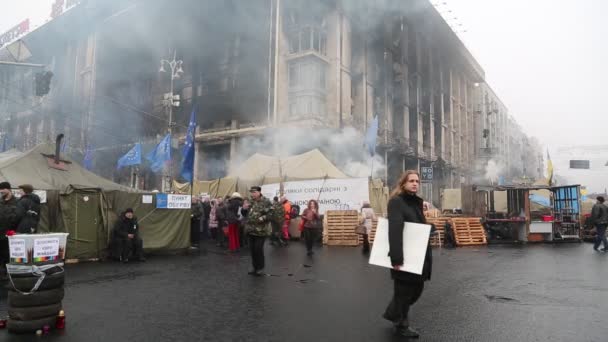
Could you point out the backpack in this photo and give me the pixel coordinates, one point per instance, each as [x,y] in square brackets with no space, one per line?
[278,213]
[295,211]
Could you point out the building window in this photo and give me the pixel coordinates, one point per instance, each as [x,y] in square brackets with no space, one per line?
[307,39]
[307,88]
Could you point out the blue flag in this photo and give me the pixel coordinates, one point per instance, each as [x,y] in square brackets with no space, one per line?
[160,154]
[371,136]
[187,171]
[133,157]
[88,158]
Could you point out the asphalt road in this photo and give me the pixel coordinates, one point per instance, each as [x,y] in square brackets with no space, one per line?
[498,293]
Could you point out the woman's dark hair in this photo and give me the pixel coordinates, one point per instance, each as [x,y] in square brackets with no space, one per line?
[600,199]
[315,203]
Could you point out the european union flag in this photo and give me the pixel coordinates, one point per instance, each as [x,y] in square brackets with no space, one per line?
[133,157]
[188,151]
[160,154]
[371,136]
[88,158]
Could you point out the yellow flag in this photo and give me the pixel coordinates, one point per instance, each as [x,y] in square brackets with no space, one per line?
[549,169]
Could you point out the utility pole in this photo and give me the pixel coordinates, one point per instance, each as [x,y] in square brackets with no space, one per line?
[170,100]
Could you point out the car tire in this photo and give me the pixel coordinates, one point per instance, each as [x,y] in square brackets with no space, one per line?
[50,282]
[34,313]
[22,327]
[38,298]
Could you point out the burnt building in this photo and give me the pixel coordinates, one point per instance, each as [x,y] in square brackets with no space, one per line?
[261,66]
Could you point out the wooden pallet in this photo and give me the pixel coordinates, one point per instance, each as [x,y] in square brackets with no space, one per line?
[339,228]
[468,231]
[438,240]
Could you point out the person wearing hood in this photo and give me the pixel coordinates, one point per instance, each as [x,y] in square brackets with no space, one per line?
[28,210]
[405,206]
[235,203]
[126,232]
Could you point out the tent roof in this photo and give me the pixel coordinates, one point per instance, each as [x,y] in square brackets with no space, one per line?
[310,165]
[31,167]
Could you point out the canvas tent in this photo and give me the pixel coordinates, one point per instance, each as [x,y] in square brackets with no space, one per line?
[310,165]
[86,205]
[261,169]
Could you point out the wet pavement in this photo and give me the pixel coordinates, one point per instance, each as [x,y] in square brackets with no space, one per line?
[498,293]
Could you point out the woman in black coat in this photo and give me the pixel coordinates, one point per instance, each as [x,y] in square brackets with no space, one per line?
[405,206]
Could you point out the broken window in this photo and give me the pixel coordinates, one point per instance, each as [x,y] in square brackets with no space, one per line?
[307,38]
[307,87]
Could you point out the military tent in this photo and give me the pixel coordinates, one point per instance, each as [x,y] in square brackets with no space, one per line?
[86,205]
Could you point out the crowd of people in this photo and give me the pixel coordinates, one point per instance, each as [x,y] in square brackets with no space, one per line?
[234,222]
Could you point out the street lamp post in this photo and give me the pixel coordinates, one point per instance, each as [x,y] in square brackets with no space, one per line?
[170,100]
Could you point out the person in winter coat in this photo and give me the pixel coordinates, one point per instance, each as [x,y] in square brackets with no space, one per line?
[205,219]
[311,222]
[599,217]
[221,215]
[196,214]
[28,210]
[258,228]
[405,206]
[8,219]
[287,221]
[213,224]
[369,216]
[127,238]
[277,221]
[234,220]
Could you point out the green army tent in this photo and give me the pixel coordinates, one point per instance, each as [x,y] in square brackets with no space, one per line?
[86,205]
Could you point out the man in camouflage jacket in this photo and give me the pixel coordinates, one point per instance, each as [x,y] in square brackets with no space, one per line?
[258,228]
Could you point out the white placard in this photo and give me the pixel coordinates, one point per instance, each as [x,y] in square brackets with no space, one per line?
[415,243]
[147,199]
[17,248]
[332,194]
[179,202]
[46,247]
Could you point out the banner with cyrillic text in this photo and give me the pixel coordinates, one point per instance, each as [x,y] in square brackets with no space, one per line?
[332,194]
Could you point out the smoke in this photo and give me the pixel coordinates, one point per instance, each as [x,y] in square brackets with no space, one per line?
[493,170]
[345,148]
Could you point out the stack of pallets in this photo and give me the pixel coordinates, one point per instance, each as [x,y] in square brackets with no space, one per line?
[468,231]
[339,228]
[438,240]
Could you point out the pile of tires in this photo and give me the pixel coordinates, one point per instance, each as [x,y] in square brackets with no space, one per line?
[30,308]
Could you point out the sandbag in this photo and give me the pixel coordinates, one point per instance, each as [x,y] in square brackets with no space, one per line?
[38,298]
[34,313]
[26,284]
[21,327]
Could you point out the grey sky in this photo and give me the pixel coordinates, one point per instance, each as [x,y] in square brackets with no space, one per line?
[542,57]
[545,59]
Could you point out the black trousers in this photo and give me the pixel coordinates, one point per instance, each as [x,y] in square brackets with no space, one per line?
[310,236]
[365,243]
[195,231]
[132,247]
[205,229]
[405,295]
[256,245]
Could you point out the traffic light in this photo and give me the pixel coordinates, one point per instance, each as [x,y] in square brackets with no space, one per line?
[43,82]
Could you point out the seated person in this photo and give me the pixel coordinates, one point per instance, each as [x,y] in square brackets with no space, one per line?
[126,241]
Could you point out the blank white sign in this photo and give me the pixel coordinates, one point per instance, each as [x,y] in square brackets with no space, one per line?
[415,242]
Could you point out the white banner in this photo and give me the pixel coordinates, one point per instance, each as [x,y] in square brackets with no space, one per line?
[179,202]
[332,194]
